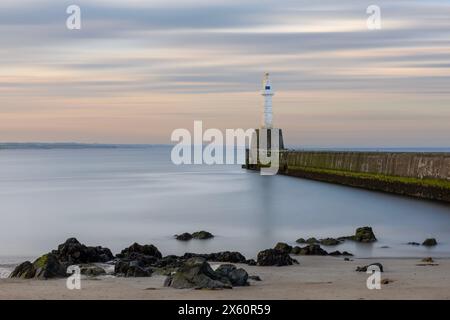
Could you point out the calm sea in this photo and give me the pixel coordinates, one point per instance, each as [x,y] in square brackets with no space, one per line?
[116,196]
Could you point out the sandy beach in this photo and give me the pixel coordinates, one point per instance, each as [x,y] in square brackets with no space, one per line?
[313,278]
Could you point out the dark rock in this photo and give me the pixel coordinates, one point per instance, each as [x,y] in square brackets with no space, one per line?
[329,242]
[284,247]
[169,262]
[197,273]
[48,267]
[414,243]
[430,242]
[137,271]
[428,260]
[237,277]
[312,240]
[250,262]
[202,235]
[131,269]
[184,236]
[312,250]
[338,253]
[73,252]
[386,281]
[141,250]
[364,268]
[91,270]
[300,240]
[224,256]
[364,234]
[296,250]
[273,257]
[25,270]
[254,278]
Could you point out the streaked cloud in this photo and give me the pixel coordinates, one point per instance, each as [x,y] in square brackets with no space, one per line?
[162,64]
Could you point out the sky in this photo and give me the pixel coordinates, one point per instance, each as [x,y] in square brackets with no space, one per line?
[137,70]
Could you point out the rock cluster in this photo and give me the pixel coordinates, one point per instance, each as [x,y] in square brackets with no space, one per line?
[201,235]
[197,273]
[54,264]
[274,257]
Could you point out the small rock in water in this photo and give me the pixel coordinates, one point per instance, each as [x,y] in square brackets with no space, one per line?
[300,240]
[364,268]
[430,242]
[414,243]
[184,236]
[428,260]
[364,234]
[273,257]
[202,235]
[386,281]
[254,278]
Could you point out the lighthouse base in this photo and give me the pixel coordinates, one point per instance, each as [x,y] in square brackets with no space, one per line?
[263,141]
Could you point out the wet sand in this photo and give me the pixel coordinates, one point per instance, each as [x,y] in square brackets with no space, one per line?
[314,278]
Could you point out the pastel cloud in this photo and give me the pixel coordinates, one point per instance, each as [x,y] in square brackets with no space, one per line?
[158,65]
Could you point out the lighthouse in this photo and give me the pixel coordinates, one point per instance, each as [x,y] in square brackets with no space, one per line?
[267,93]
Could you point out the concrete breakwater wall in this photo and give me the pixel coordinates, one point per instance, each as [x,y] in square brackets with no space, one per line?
[420,175]
[401,164]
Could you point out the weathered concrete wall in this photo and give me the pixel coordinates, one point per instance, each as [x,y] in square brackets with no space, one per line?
[403,164]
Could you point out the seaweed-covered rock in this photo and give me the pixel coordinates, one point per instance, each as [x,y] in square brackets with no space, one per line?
[364,234]
[48,267]
[25,270]
[184,236]
[430,242]
[142,250]
[237,276]
[300,240]
[273,257]
[329,242]
[197,273]
[202,235]
[364,268]
[283,247]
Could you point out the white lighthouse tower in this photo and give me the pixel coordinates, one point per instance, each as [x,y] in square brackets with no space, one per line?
[267,93]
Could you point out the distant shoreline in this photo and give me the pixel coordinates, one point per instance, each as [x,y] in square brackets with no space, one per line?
[82,145]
